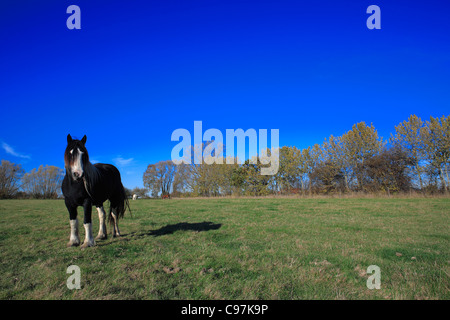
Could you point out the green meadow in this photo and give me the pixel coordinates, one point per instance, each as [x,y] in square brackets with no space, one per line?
[232,248]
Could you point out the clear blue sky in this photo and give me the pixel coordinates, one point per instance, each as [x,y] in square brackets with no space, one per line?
[138,70]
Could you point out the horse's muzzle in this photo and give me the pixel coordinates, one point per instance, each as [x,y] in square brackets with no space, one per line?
[77,176]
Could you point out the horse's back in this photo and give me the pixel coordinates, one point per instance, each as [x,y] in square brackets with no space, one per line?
[110,180]
[111,187]
[109,169]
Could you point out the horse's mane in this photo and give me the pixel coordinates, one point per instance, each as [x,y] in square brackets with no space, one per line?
[91,177]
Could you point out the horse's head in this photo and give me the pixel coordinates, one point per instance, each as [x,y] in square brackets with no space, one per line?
[76,157]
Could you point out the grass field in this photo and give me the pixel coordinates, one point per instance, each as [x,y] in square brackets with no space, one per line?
[248,248]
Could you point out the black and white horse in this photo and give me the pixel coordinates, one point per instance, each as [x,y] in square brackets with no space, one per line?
[86,184]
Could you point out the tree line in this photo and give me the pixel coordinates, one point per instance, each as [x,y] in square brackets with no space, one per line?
[41,183]
[415,157]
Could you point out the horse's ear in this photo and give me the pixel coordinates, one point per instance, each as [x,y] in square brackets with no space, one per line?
[83,141]
[69,139]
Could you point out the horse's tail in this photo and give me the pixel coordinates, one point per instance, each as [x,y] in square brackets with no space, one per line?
[121,205]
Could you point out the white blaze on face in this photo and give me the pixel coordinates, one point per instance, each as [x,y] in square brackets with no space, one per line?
[77,167]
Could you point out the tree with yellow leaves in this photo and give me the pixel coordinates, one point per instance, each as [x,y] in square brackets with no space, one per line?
[408,137]
[436,138]
[360,144]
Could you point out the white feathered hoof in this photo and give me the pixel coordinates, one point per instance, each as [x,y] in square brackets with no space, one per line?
[89,239]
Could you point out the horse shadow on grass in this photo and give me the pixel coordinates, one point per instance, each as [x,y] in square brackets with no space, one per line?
[182,226]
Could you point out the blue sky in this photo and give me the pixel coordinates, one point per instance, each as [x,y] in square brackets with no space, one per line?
[138,70]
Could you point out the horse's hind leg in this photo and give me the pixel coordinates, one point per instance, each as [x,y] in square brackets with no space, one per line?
[115,221]
[102,233]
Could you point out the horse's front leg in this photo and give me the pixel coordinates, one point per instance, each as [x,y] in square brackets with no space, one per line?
[74,239]
[102,233]
[89,239]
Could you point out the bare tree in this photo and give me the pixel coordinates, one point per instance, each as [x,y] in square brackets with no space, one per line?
[45,182]
[159,177]
[10,175]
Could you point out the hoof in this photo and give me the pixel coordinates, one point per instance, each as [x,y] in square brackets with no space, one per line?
[87,244]
[73,244]
[101,237]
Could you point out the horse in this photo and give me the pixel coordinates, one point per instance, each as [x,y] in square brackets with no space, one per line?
[135,196]
[86,184]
